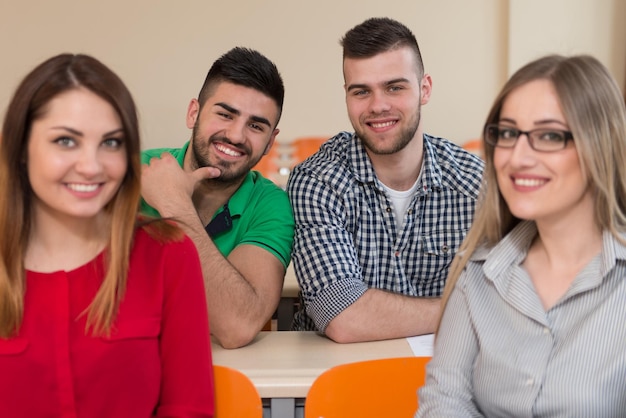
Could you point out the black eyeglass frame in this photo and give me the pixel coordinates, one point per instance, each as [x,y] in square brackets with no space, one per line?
[493,139]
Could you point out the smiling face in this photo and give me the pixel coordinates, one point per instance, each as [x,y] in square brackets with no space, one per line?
[384,94]
[76,158]
[233,130]
[540,186]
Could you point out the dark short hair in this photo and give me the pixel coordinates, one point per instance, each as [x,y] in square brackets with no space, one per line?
[377,35]
[245,67]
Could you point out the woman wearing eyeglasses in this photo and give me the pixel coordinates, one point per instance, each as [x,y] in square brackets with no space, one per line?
[535,303]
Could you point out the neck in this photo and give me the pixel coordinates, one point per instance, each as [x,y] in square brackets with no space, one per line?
[400,170]
[210,195]
[64,244]
[568,243]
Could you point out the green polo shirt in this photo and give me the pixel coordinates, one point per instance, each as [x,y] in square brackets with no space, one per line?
[260,211]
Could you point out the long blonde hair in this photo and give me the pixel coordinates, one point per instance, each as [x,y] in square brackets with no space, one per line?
[52,77]
[593,106]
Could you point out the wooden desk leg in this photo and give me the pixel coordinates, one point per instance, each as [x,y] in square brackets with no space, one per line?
[286,310]
[283,407]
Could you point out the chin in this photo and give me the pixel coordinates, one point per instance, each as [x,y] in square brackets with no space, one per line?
[523,212]
[526,215]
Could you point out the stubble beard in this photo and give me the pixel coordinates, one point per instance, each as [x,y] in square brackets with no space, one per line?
[229,175]
[398,144]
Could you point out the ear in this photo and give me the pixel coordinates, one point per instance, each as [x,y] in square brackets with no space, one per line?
[193,110]
[426,86]
[268,147]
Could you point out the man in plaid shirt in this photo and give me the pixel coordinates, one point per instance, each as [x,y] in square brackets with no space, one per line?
[380,213]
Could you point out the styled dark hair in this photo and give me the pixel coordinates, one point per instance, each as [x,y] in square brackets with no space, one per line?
[377,35]
[245,67]
[54,76]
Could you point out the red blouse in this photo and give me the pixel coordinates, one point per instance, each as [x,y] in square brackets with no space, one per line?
[156,363]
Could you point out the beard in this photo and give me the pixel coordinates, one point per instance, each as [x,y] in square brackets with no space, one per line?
[396,144]
[230,172]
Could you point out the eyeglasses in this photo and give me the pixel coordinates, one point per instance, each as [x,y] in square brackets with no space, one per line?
[542,140]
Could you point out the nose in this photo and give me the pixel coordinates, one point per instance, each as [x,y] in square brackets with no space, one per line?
[379,103]
[88,162]
[522,153]
[236,132]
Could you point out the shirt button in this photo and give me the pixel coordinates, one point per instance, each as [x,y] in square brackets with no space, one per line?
[445,248]
[388,209]
[530,382]
[397,253]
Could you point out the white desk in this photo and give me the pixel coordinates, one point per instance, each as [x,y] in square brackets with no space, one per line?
[283,364]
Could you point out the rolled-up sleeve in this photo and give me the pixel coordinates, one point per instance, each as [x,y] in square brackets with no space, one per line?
[325,259]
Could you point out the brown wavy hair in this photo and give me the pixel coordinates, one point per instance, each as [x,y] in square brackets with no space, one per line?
[46,81]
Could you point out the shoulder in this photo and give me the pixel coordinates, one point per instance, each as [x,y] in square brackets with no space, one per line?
[158,259]
[263,185]
[452,155]
[332,152]
[458,167]
[259,191]
[159,265]
[333,164]
[155,234]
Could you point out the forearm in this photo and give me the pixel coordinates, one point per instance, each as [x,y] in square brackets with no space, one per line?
[237,310]
[380,315]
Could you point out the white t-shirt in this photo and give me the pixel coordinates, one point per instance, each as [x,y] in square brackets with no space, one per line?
[400,200]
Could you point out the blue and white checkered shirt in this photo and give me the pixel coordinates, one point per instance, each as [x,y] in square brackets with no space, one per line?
[346,237]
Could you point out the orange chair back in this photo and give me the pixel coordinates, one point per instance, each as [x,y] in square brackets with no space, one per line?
[235,395]
[306,146]
[373,388]
[268,164]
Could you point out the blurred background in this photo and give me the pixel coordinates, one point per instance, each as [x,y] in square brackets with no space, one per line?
[163,49]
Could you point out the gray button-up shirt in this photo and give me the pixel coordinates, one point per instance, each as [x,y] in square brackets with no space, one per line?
[499,353]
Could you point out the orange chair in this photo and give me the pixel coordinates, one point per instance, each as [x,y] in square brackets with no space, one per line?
[373,388]
[268,164]
[235,395]
[306,146]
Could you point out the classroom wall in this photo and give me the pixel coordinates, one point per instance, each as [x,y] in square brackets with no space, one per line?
[592,27]
[162,49]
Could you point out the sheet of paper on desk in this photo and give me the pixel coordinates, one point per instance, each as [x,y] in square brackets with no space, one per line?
[422,345]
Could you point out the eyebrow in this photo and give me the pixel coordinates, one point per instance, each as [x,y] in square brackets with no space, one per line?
[386,83]
[79,133]
[539,122]
[258,119]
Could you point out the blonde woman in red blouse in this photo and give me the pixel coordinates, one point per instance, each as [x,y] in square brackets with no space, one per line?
[100,316]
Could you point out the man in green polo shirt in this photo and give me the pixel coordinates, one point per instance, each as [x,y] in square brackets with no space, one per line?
[241,223]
